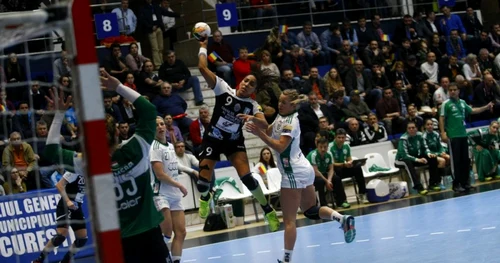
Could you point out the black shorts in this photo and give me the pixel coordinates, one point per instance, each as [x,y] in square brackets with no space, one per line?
[66,217]
[211,149]
[147,247]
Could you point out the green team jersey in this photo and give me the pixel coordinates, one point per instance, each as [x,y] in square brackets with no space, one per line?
[454,113]
[321,162]
[433,141]
[411,147]
[131,169]
[341,154]
[482,137]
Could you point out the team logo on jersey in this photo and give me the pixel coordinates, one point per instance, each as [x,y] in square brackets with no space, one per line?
[237,107]
[246,110]
[235,136]
[345,151]
[327,160]
[215,133]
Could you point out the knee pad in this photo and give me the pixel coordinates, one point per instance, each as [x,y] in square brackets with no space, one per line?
[250,182]
[80,242]
[312,213]
[57,240]
[203,185]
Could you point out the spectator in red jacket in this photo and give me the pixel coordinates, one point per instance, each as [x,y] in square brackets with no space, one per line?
[242,66]
[197,128]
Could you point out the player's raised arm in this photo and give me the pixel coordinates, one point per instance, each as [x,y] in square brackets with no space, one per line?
[209,76]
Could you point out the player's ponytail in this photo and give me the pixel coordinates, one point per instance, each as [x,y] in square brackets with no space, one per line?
[264,77]
[294,96]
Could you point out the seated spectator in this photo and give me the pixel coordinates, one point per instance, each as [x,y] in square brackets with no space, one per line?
[111,108]
[389,112]
[438,47]
[365,35]
[373,55]
[495,36]
[264,8]
[405,50]
[241,66]
[325,126]
[309,42]
[484,42]
[431,69]
[338,110]
[486,156]
[422,52]
[406,29]
[115,64]
[187,163]
[400,94]
[267,64]
[355,135]
[358,107]
[296,63]
[455,46]
[45,168]
[289,39]
[134,60]
[123,131]
[315,84]
[433,141]
[331,42]
[169,29]
[389,57]
[321,159]
[130,81]
[358,79]
[127,21]
[21,122]
[14,72]
[424,99]
[344,169]
[266,161]
[398,73]
[333,83]
[61,66]
[173,133]
[178,75]
[272,44]
[174,105]
[373,131]
[267,96]
[472,25]
[15,183]
[197,128]
[413,152]
[485,61]
[413,73]
[19,156]
[349,33]
[488,91]
[347,55]
[379,82]
[309,114]
[471,70]
[71,120]
[451,69]
[128,113]
[413,117]
[36,96]
[149,83]
[289,82]
[465,88]
[224,65]
[441,94]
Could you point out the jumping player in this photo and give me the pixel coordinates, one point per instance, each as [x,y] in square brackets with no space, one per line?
[297,189]
[69,213]
[142,239]
[225,135]
[167,189]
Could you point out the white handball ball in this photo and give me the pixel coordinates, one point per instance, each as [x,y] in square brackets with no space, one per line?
[201,31]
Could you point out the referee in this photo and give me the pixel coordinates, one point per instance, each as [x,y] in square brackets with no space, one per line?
[452,126]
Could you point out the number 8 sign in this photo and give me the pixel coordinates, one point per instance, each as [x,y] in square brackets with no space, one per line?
[106,25]
[226,14]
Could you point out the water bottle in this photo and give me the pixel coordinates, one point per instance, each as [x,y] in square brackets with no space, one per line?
[472,177]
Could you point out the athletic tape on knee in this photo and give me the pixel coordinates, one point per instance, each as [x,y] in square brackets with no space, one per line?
[57,240]
[312,213]
[203,185]
[250,182]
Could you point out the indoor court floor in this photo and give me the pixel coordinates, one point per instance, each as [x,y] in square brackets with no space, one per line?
[460,229]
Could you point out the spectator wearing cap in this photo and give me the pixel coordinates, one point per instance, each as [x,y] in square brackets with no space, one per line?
[358,107]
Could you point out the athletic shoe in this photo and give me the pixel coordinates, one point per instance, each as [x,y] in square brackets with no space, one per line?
[345,205]
[349,228]
[497,176]
[272,221]
[488,179]
[423,192]
[436,188]
[458,189]
[204,209]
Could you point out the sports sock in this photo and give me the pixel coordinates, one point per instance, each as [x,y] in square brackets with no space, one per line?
[205,196]
[287,256]
[259,195]
[166,239]
[176,259]
[336,216]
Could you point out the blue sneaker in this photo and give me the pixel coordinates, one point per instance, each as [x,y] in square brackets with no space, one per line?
[349,228]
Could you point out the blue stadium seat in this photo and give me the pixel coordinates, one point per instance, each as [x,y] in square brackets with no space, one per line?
[480,123]
[324,69]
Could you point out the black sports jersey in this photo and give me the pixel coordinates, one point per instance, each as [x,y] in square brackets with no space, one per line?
[75,187]
[225,125]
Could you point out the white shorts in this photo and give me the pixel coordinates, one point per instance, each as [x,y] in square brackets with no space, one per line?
[172,203]
[298,180]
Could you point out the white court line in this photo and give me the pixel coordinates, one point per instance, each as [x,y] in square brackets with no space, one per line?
[386,238]
[239,255]
[362,240]
[263,251]
[463,230]
[313,246]
[489,228]
[337,243]
[416,235]
[214,257]
[189,260]
[437,233]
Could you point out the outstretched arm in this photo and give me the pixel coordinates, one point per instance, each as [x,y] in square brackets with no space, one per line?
[209,76]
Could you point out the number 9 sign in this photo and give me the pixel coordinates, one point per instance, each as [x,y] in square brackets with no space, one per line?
[227,15]
[106,25]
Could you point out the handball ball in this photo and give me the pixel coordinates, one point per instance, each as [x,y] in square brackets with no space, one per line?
[201,31]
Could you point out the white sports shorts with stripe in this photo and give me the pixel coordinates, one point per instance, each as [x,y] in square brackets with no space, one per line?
[299,179]
[172,203]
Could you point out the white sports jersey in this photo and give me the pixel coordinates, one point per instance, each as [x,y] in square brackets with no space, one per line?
[165,153]
[291,161]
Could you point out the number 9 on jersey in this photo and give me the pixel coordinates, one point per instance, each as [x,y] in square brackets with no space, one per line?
[106,25]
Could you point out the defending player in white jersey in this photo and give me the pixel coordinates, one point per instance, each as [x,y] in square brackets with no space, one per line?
[297,188]
[167,189]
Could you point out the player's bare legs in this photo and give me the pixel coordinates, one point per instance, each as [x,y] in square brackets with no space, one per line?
[203,185]
[166,224]
[179,227]
[58,239]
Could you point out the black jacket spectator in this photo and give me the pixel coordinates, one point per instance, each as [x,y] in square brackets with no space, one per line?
[37,97]
[351,81]
[174,73]
[472,25]
[292,84]
[298,65]
[146,17]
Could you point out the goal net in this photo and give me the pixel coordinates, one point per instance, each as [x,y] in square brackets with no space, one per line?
[28,210]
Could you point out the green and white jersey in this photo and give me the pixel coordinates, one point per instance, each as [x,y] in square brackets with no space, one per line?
[411,147]
[165,154]
[341,154]
[322,162]
[454,113]
[433,141]
[291,160]
[482,137]
[131,169]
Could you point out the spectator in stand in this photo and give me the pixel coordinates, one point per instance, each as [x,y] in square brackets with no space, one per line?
[130,81]
[273,45]
[309,114]
[373,131]
[321,159]
[289,39]
[169,30]
[173,104]
[36,96]
[241,66]
[488,91]
[398,73]
[484,42]
[424,99]
[373,55]
[413,73]
[401,95]
[178,75]
[331,42]
[485,61]
[358,79]
[325,126]
[123,131]
[405,30]
[15,183]
[115,64]
[45,166]
[423,32]
[268,65]
[358,107]
[472,25]
[14,72]
[376,28]
[455,46]
[365,34]
[111,108]
[422,52]
[7,110]
[471,70]
[22,121]
[389,112]
[309,42]
[289,82]
[198,127]
[413,117]
[430,23]
[128,112]
[495,36]
[266,160]
[451,69]
[344,169]
[438,47]
[134,60]
[338,110]
[316,84]
[389,56]
[350,34]
[355,135]
[127,21]
[380,81]
[431,70]
[186,162]
[224,65]
[405,50]
[465,88]
[347,54]
[451,22]
[19,155]
[264,8]
[172,132]
[267,96]
[333,83]
[441,94]
[150,83]
[296,63]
